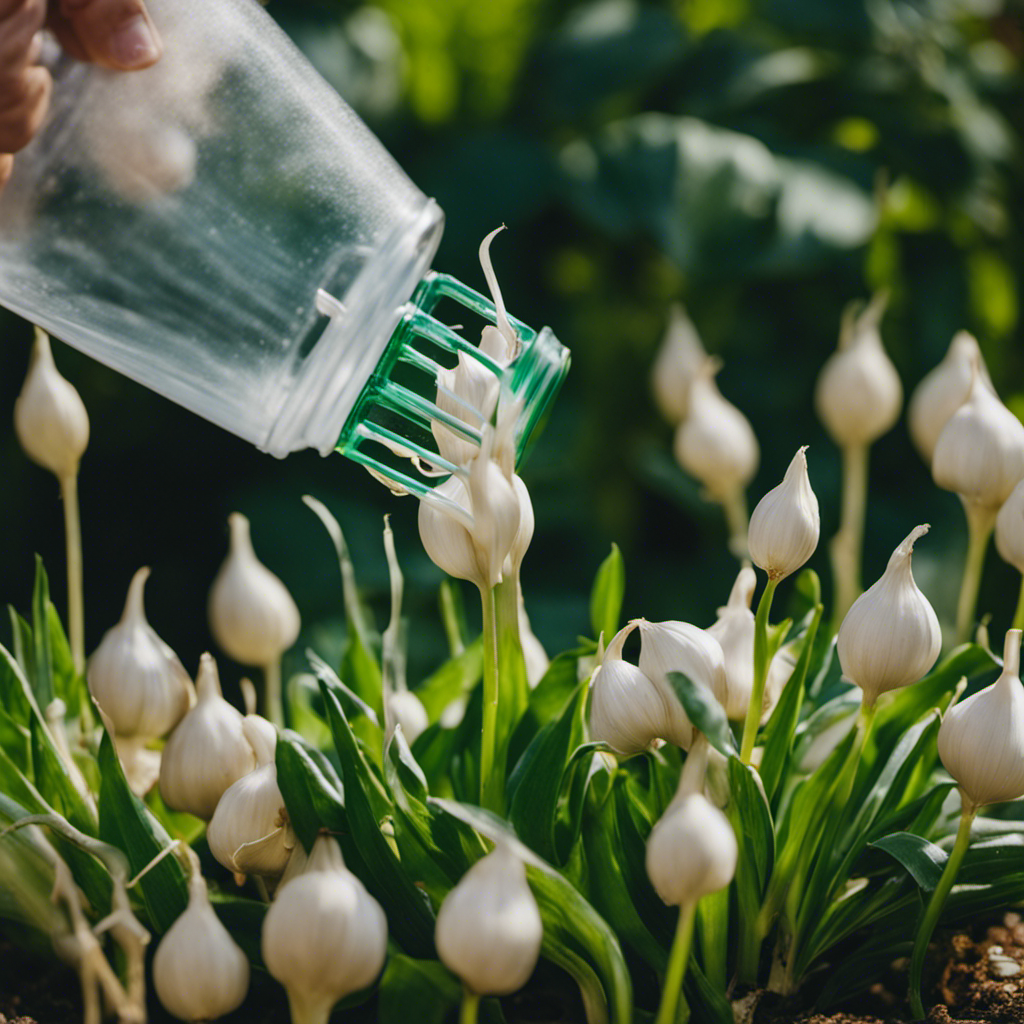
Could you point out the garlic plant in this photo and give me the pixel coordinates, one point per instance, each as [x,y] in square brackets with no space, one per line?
[680,358]
[1009,531]
[252,615]
[858,397]
[324,936]
[53,427]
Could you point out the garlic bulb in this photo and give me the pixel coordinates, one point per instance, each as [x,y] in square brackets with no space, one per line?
[207,751]
[524,535]
[784,527]
[469,393]
[942,391]
[678,361]
[627,710]
[890,637]
[135,677]
[49,415]
[250,833]
[691,850]
[252,615]
[409,713]
[858,394]
[734,631]
[1010,528]
[715,443]
[199,972]
[981,739]
[324,936]
[980,452]
[489,929]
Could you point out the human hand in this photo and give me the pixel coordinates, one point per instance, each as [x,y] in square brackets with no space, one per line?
[115,34]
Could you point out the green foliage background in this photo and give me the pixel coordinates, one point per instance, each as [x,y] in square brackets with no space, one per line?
[721,152]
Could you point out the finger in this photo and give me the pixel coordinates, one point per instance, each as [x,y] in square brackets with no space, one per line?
[20,23]
[115,34]
[24,98]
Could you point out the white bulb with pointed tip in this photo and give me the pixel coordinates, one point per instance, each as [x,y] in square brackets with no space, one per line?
[489,929]
[409,713]
[785,524]
[252,615]
[470,394]
[136,679]
[890,637]
[942,391]
[199,972]
[207,751]
[858,394]
[691,851]
[524,534]
[678,361]
[981,739]
[734,630]
[1010,528]
[49,415]
[324,936]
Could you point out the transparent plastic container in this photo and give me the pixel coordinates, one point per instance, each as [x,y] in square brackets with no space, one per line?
[178,224]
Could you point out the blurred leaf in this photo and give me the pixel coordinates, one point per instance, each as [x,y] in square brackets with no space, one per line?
[420,990]
[42,655]
[454,679]
[924,860]
[606,595]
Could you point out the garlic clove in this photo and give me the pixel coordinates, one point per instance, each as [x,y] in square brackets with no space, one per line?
[49,415]
[469,392]
[199,973]
[734,631]
[135,678]
[785,525]
[858,394]
[890,637]
[489,928]
[252,615]
[524,534]
[678,361]
[981,739]
[1010,528]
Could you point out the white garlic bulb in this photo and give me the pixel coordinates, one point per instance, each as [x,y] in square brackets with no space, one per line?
[408,711]
[678,361]
[627,710]
[524,535]
[470,386]
[199,972]
[980,452]
[785,525]
[252,615]
[734,631]
[858,394]
[324,936]
[49,415]
[489,929]
[981,739]
[250,832]
[942,391]
[135,677]
[715,443]
[691,850]
[890,637]
[1010,528]
[207,751]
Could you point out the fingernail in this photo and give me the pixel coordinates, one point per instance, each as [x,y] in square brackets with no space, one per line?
[133,45]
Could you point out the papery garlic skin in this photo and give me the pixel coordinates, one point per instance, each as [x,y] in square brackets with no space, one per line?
[252,615]
[489,928]
[715,443]
[524,533]
[199,972]
[136,679]
[207,751]
[472,384]
[942,391]
[890,637]
[324,936]
[49,414]
[1010,529]
[981,739]
[858,394]
[678,361]
[785,525]
[734,631]
[691,851]
[409,713]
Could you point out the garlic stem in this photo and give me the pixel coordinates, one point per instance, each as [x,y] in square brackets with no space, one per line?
[73,551]
[734,506]
[754,711]
[981,520]
[272,692]
[848,543]
[1018,615]
[470,1006]
[490,797]
[672,990]
[935,905]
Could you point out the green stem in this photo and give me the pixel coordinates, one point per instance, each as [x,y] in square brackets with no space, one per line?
[935,905]
[489,796]
[1018,615]
[753,719]
[678,958]
[980,521]
[73,548]
[272,692]
[470,1006]
[847,545]
[713,933]
[734,505]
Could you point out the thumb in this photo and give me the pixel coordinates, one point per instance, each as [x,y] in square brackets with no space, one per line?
[116,34]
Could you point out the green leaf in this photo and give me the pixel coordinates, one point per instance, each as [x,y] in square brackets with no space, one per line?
[606,595]
[67,683]
[243,918]
[704,712]
[362,671]
[41,654]
[708,1003]
[546,702]
[53,779]
[23,654]
[416,990]
[302,693]
[454,679]
[924,860]
[513,686]
[756,832]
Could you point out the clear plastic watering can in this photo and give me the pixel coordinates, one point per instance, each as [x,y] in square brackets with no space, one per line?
[223,229]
